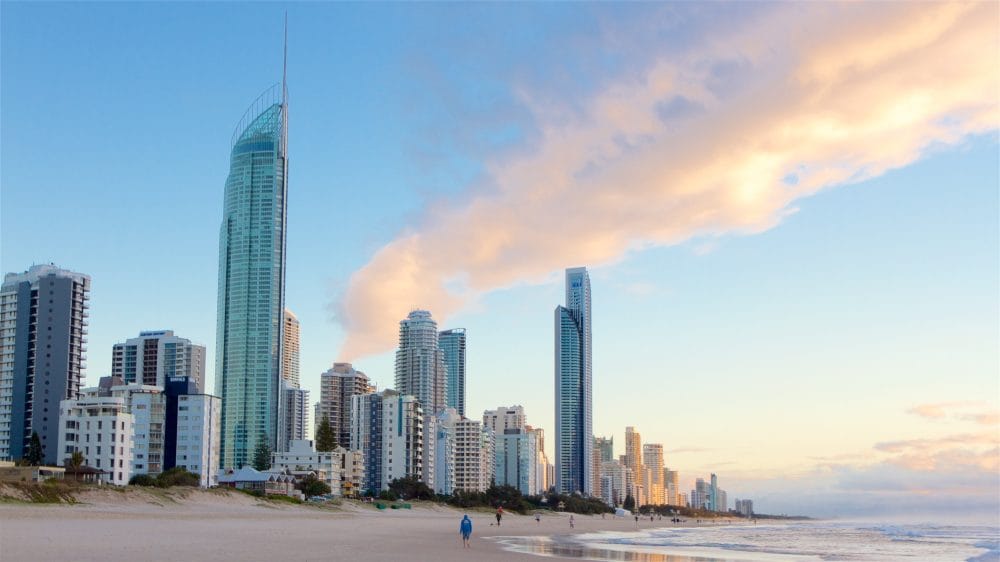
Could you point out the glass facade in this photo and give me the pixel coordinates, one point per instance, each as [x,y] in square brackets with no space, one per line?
[420,369]
[573,387]
[252,281]
[452,343]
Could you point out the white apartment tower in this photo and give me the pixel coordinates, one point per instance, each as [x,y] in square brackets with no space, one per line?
[474,456]
[420,366]
[100,427]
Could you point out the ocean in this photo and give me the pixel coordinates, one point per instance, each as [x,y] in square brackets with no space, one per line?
[798,541]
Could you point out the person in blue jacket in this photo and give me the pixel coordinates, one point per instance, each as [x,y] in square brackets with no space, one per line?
[466,529]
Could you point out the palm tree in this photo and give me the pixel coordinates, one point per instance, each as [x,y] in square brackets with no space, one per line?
[75,461]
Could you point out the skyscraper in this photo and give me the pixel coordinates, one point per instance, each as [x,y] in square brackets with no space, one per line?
[452,343]
[633,460]
[43,339]
[155,357]
[420,369]
[573,387]
[652,457]
[252,279]
[337,386]
[713,493]
[290,349]
[296,412]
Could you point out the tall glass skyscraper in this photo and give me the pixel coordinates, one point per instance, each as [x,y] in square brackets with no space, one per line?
[252,280]
[452,343]
[420,369]
[573,392]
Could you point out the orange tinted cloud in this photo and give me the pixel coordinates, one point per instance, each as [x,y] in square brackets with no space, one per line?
[830,94]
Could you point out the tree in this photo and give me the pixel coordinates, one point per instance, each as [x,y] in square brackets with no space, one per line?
[629,502]
[75,461]
[262,454]
[34,455]
[326,441]
[311,486]
[411,488]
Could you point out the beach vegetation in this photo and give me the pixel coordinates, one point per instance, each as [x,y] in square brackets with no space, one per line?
[176,476]
[142,480]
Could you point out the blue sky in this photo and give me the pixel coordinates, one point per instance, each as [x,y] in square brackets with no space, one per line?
[785,336]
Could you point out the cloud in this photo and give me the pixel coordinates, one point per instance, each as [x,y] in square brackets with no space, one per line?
[974,411]
[719,139]
[916,477]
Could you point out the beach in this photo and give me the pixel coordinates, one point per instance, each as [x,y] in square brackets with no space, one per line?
[112,525]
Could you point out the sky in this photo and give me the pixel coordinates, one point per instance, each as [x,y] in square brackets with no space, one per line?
[789,211]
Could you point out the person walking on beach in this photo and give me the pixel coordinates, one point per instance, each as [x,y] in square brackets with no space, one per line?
[465,528]
[538,518]
[571,522]
[499,514]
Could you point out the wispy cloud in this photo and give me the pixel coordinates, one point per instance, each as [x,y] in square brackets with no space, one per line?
[723,138]
[968,410]
[956,472]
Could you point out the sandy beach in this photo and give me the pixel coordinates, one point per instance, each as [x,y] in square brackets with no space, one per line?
[110,525]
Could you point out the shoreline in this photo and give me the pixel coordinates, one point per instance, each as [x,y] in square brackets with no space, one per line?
[207,525]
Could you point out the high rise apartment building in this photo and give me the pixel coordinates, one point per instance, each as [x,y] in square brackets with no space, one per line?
[652,458]
[671,480]
[296,414]
[388,428]
[43,341]
[504,418]
[290,350]
[474,456]
[251,297]
[452,343]
[574,387]
[633,460]
[172,426]
[337,386]
[99,427]
[420,367]
[516,463]
[156,356]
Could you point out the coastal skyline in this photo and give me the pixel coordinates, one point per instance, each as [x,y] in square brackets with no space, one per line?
[786,315]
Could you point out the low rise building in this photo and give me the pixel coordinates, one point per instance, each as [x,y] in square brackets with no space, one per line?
[251,480]
[302,458]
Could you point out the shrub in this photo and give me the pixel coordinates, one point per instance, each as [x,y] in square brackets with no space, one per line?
[177,476]
[142,480]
